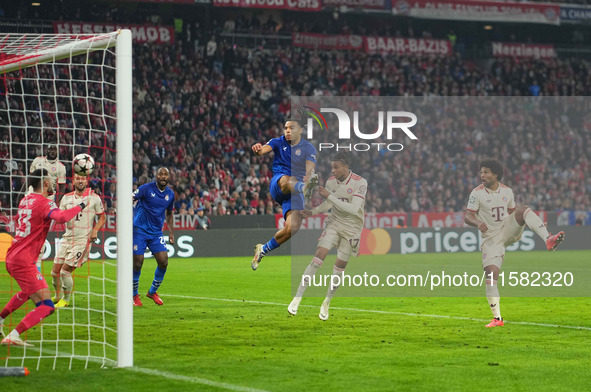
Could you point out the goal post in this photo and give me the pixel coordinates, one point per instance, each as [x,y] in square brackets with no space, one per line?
[124,187]
[78,90]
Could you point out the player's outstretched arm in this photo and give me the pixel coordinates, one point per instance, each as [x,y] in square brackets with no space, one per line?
[261,149]
[62,216]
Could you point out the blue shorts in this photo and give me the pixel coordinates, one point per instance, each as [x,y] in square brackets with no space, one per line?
[141,241]
[292,201]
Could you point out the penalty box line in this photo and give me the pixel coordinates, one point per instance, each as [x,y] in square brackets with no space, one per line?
[381,312]
[152,372]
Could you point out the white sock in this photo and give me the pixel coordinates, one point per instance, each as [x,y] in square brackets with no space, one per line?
[1,321]
[67,284]
[336,272]
[534,222]
[14,334]
[493,297]
[307,276]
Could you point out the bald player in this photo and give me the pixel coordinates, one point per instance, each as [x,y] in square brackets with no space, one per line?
[154,205]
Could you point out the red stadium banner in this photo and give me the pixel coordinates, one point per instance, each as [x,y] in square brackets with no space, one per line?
[504,49]
[140,33]
[438,219]
[374,220]
[364,4]
[407,45]
[330,42]
[291,5]
[485,11]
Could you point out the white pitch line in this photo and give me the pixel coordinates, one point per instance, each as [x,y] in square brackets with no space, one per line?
[195,380]
[153,372]
[381,312]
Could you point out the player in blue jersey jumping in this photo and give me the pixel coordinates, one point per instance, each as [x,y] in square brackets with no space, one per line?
[293,178]
[154,203]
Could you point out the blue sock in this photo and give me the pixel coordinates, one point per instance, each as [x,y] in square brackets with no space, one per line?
[158,277]
[299,187]
[269,246]
[136,281]
[37,304]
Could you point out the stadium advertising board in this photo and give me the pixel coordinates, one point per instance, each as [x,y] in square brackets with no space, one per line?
[373,44]
[521,50]
[407,45]
[486,11]
[291,5]
[377,241]
[141,33]
[575,14]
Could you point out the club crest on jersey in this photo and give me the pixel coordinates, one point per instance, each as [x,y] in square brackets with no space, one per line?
[166,198]
[483,256]
[505,199]
[298,152]
[39,277]
[350,190]
[135,247]
[53,169]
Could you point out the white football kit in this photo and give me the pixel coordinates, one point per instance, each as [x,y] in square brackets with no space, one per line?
[75,245]
[492,208]
[344,224]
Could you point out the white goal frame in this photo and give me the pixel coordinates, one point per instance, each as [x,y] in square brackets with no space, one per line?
[26,50]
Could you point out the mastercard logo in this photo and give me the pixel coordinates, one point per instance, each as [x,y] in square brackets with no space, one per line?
[5,242]
[375,242]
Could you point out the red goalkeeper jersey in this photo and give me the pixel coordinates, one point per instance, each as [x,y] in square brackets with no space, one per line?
[35,213]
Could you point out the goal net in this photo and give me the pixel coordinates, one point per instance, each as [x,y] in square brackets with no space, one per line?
[72,92]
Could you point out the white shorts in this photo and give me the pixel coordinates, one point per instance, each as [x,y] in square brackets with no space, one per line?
[71,253]
[493,249]
[346,246]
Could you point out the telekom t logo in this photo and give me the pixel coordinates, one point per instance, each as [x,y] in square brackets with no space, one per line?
[345,124]
[498,213]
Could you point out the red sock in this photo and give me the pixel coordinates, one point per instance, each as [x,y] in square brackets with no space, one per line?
[15,302]
[34,317]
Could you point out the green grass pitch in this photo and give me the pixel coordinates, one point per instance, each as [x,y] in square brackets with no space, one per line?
[225,327]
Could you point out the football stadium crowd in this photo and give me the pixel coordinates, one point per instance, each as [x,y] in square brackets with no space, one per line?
[198,112]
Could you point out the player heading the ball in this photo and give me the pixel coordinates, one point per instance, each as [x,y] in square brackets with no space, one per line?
[293,178]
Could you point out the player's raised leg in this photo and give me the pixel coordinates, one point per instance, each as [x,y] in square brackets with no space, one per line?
[293,221]
[307,277]
[525,216]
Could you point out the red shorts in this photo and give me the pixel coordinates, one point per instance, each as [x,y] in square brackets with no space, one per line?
[28,277]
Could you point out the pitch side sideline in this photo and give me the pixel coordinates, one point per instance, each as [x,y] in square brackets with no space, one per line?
[380,312]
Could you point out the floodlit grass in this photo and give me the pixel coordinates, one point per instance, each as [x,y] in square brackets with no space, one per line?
[214,329]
